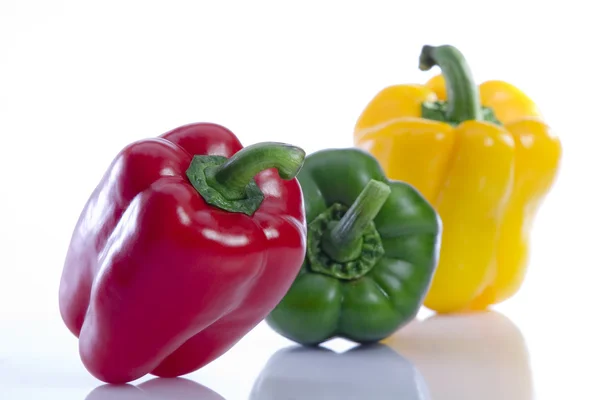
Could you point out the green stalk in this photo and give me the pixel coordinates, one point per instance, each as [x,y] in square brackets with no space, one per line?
[463,101]
[232,177]
[343,241]
[229,183]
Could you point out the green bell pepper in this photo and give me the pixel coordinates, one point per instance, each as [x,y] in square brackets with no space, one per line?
[372,249]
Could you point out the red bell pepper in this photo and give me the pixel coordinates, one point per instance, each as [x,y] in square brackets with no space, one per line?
[186,244]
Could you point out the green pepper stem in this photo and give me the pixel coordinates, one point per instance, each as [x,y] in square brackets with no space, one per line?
[232,177]
[342,242]
[463,94]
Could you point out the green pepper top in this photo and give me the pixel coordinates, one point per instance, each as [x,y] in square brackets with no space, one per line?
[372,250]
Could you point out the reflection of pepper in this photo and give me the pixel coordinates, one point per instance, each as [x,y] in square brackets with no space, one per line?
[468,357]
[364,372]
[187,243]
[155,389]
[485,169]
[372,248]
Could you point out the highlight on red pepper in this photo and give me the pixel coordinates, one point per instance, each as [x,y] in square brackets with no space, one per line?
[372,249]
[188,242]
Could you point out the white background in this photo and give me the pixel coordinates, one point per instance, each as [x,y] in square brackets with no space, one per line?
[81,79]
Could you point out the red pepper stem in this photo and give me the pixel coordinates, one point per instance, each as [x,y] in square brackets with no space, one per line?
[343,242]
[462,91]
[233,176]
[229,183]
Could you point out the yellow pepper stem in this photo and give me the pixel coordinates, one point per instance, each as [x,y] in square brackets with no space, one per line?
[462,92]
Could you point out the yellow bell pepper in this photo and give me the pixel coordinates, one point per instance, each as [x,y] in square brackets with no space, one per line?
[483,157]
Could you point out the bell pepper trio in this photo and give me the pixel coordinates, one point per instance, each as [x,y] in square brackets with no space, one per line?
[190,239]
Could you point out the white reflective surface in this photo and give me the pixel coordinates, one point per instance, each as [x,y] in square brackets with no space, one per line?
[470,357]
[353,374]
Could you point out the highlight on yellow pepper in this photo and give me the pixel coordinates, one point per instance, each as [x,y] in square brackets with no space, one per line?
[483,157]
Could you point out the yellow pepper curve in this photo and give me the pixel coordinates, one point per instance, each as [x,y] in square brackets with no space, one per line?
[484,158]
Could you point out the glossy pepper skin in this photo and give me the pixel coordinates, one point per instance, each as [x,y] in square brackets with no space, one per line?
[372,249]
[483,156]
[158,279]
